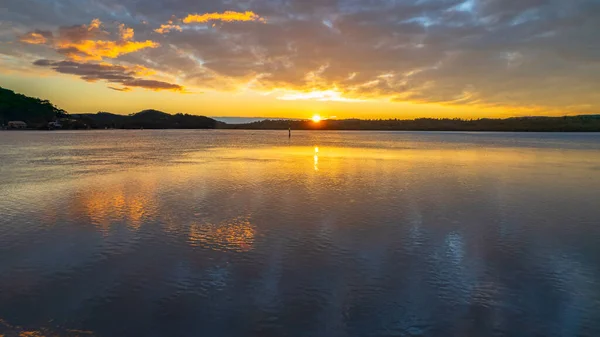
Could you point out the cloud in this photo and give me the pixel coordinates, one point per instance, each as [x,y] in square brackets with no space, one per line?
[36,37]
[166,28]
[123,75]
[152,84]
[126,33]
[508,54]
[99,50]
[228,16]
[89,42]
[123,89]
[83,32]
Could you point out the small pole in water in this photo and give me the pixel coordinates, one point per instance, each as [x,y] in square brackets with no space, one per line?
[290,132]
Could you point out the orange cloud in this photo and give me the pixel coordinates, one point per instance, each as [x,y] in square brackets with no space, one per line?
[228,16]
[165,28]
[34,38]
[90,48]
[95,24]
[141,70]
[84,44]
[97,50]
[126,33]
[89,42]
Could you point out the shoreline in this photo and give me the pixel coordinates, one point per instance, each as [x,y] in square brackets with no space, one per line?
[315,130]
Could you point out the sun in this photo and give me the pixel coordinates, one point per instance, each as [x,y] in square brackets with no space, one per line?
[316,118]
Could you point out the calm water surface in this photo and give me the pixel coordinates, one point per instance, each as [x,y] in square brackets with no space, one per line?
[240,233]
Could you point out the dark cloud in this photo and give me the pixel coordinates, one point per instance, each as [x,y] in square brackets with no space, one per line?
[78,33]
[43,63]
[151,84]
[123,89]
[93,72]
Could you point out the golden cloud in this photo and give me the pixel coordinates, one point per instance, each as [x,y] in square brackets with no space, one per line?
[89,48]
[98,50]
[165,28]
[228,16]
[141,70]
[35,37]
[86,47]
[89,42]
[126,33]
[95,24]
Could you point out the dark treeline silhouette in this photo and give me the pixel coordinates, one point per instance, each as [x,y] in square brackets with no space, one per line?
[17,107]
[585,123]
[149,119]
[38,114]
[41,114]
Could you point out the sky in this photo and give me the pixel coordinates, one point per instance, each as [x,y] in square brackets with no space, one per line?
[297,58]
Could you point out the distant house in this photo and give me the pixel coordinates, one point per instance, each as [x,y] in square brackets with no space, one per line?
[17,125]
[54,125]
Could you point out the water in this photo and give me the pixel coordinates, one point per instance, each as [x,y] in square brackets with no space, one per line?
[249,233]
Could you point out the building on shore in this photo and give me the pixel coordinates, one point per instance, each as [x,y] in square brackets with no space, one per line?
[17,125]
[54,125]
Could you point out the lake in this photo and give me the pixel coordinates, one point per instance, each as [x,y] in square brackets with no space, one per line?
[250,233]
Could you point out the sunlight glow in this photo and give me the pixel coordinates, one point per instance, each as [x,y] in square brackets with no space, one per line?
[316,118]
[332,95]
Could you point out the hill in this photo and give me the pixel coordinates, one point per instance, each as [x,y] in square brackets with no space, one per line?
[38,113]
[149,119]
[33,111]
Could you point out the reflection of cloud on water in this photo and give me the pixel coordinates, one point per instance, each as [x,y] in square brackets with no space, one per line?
[415,230]
[455,248]
[130,202]
[234,235]
[454,275]
[216,278]
[575,281]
